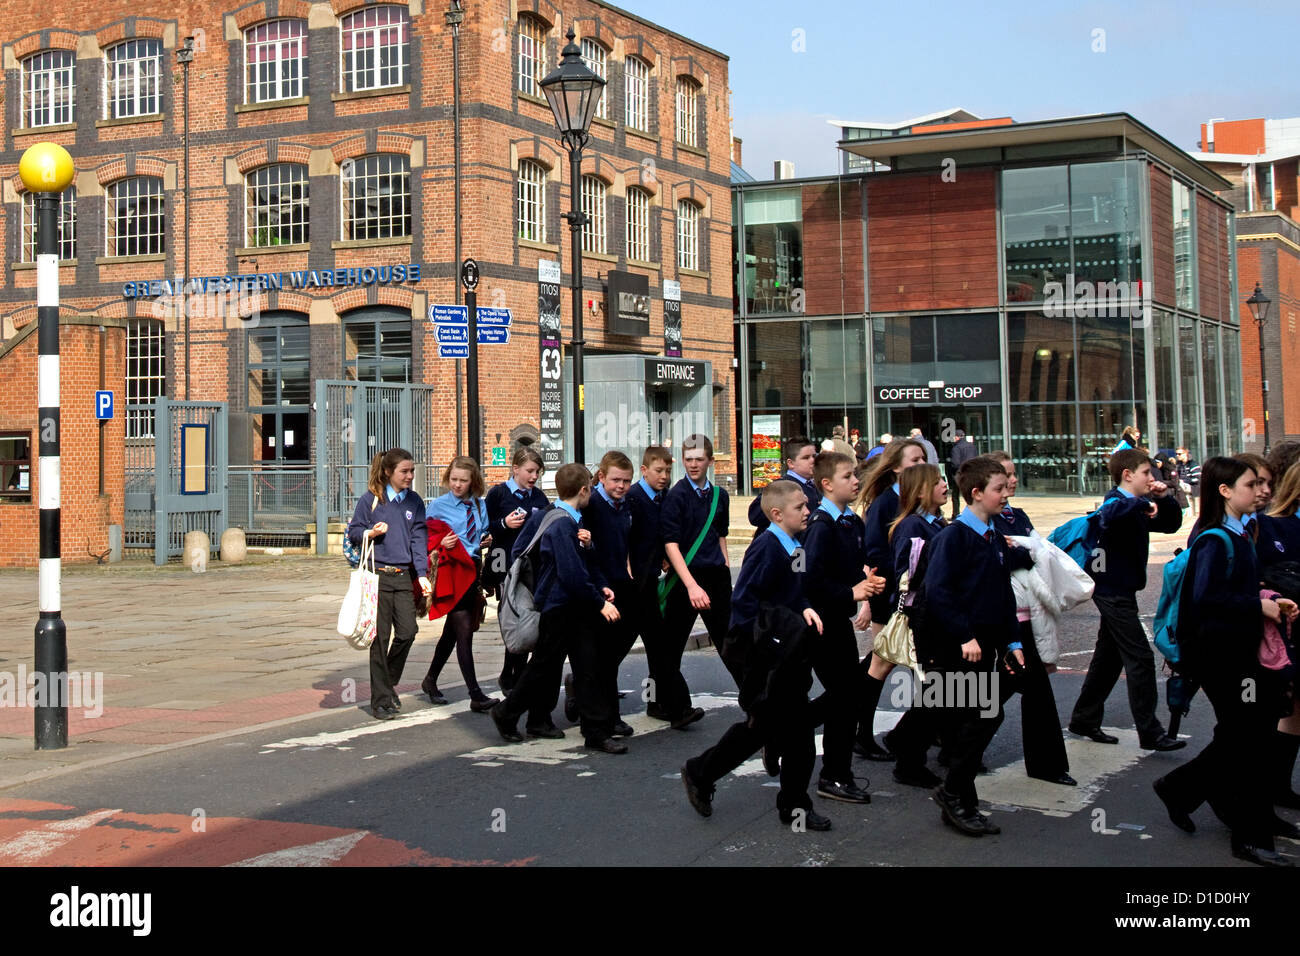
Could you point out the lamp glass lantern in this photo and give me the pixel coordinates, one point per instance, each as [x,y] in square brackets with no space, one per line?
[1259,304]
[573,90]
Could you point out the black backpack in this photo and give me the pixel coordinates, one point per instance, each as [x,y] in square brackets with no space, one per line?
[1284,578]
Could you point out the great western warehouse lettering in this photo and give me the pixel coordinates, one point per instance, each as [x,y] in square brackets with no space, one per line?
[268,281]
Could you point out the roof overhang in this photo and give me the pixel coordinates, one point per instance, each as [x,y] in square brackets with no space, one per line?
[956,114]
[1047,131]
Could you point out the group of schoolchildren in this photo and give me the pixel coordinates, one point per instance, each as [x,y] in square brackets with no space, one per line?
[617,557]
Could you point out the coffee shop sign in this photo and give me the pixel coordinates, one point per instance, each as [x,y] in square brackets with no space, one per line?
[252,282]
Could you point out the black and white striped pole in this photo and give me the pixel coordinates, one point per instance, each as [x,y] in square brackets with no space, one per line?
[46,170]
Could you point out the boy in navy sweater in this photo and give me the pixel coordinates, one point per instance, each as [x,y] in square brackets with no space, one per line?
[700,583]
[572,597]
[772,574]
[836,581]
[969,628]
[609,519]
[1119,567]
[646,561]
[800,454]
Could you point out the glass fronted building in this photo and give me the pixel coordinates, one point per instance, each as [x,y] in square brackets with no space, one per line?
[1038,286]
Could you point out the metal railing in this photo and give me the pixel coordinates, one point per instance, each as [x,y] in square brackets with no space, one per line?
[269,498]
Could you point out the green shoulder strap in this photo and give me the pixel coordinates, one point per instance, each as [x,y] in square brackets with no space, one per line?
[669,582]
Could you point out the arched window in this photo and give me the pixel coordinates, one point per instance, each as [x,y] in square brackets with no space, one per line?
[593,206]
[532,201]
[594,56]
[132,72]
[688,235]
[67,225]
[377,197]
[532,53]
[636,93]
[688,92]
[275,57]
[275,206]
[48,90]
[374,47]
[134,219]
[638,224]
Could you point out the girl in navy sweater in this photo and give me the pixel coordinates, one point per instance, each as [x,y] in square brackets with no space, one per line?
[1279,540]
[878,502]
[509,505]
[1221,619]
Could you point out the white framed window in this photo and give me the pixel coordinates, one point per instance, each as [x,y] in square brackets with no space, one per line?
[275,206]
[132,72]
[67,225]
[377,197]
[638,224]
[48,89]
[532,201]
[636,93]
[134,220]
[532,53]
[146,374]
[275,57]
[687,120]
[594,193]
[374,48]
[688,235]
[594,56]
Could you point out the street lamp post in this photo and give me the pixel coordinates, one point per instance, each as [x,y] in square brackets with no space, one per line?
[1259,304]
[573,90]
[455,16]
[46,169]
[185,56]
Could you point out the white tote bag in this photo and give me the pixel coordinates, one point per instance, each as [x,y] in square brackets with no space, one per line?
[361,603]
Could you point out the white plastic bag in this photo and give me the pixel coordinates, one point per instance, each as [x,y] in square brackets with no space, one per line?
[357,616]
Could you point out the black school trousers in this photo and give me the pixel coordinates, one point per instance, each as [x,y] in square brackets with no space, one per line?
[395,616]
[966,735]
[1040,725]
[791,733]
[1121,646]
[596,649]
[835,662]
[679,617]
[538,688]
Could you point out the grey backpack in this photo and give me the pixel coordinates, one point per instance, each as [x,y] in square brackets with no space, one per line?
[517,617]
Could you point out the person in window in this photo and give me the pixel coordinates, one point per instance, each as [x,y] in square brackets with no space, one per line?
[1129,438]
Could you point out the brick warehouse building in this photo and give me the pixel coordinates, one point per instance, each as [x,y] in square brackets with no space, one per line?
[1261,159]
[930,292]
[321,180]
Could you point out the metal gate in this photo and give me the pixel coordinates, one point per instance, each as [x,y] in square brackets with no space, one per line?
[355,421]
[162,503]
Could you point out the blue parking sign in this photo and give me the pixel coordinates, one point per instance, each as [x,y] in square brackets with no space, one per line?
[103,405]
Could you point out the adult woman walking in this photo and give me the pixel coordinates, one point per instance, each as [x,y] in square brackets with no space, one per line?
[392,515]
[462,510]
[1219,645]
[509,505]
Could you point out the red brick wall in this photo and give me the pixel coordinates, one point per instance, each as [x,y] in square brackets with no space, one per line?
[86,514]
[1236,136]
[932,244]
[1162,237]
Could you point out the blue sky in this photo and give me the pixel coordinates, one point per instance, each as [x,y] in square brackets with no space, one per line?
[1171,65]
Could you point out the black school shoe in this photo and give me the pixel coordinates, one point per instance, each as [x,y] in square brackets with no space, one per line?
[383,712]
[1177,816]
[967,820]
[868,749]
[1163,743]
[687,718]
[1096,734]
[1258,855]
[607,745]
[699,794]
[509,731]
[848,792]
[623,729]
[812,820]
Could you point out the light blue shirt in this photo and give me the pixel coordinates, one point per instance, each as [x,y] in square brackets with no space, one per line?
[649,492]
[931,518]
[600,490]
[513,486]
[703,487]
[1236,525]
[451,510]
[969,519]
[793,476]
[1247,518]
[395,495]
[829,507]
[787,542]
[571,511]
[1124,491]
[896,491]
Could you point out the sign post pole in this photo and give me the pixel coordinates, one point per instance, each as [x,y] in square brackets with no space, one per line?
[469,279]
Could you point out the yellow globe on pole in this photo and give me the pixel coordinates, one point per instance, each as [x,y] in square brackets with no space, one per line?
[46,168]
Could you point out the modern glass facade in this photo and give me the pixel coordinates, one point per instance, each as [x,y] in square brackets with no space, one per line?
[1066,359]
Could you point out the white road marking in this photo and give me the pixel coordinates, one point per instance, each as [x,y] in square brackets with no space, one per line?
[33,845]
[432,715]
[1090,763]
[324,853]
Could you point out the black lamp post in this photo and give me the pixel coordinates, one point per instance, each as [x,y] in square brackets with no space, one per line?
[1259,304]
[185,56]
[574,92]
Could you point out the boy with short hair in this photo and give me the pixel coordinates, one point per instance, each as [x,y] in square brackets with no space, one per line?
[646,560]
[599,653]
[799,456]
[771,574]
[969,625]
[1119,567]
[572,597]
[836,581]
[700,582]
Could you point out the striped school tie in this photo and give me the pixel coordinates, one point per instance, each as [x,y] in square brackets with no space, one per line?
[471,526]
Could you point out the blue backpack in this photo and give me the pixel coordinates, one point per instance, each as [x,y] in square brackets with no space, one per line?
[1078,537]
[1171,594]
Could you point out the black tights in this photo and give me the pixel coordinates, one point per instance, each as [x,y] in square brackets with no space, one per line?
[457,631]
